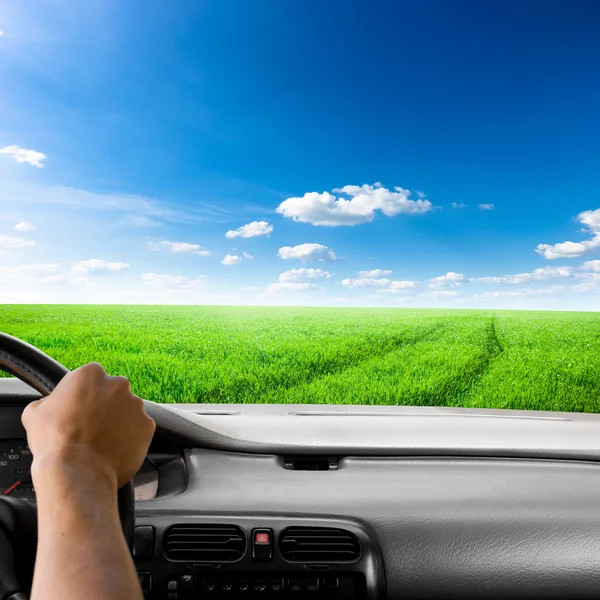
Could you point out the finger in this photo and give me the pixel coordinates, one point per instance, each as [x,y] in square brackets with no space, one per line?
[138,403]
[120,383]
[151,424]
[93,370]
[87,375]
[30,409]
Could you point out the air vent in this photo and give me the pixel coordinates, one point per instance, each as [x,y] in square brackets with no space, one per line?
[204,543]
[318,545]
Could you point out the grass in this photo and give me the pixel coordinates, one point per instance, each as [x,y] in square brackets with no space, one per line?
[527,360]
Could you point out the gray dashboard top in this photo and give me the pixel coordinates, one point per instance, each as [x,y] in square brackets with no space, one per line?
[370,430]
[399,430]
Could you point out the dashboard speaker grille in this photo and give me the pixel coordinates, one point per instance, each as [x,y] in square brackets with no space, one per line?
[204,543]
[318,545]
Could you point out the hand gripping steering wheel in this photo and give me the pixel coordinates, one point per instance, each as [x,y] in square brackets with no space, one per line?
[18,520]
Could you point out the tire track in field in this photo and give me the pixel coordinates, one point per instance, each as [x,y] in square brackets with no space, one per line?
[400,343]
[459,391]
[453,391]
[451,382]
[322,370]
[494,334]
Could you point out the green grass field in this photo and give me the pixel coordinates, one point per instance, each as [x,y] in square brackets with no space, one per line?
[528,360]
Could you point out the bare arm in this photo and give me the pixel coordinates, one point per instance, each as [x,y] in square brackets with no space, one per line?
[88,438]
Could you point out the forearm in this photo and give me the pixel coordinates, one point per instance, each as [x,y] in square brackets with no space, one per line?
[81,549]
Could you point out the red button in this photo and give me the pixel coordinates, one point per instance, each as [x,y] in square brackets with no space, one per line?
[262,538]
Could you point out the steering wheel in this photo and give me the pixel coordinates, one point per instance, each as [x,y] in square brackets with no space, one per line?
[18,519]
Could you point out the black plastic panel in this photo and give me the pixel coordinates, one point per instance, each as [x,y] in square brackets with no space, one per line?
[363,579]
[198,584]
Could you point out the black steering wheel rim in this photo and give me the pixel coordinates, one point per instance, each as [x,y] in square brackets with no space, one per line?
[30,365]
[43,373]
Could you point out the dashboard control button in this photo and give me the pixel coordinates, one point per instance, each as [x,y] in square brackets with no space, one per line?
[243,586]
[186,585]
[262,545]
[145,583]
[259,585]
[311,585]
[172,590]
[210,587]
[330,584]
[275,585]
[295,585]
[227,586]
[143,541]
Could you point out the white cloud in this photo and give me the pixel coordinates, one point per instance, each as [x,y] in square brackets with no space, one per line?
[375,273]
[231,259]
[300,274]
[587,274]
[442,294]
[250,230]
[1,32]
[164,280]
[95,265]
[398,286]
[366,282]
[234,259]
[522,292]
[568,249]
[307,252]
[24,226]
[486,207]
[459,205]
[40,281]
[22,155]
[385,284]
[183,247]
[12,243]
[33,274]
[591,220]
[542,274]
[450,279]
[329,210]
[283,286]
[591,265]
[587,281]
[402,285]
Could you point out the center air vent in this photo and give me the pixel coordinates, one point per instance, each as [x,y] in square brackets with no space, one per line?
[318,545]
[204,543]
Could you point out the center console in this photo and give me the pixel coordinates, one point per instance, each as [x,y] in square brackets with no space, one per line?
[189,558]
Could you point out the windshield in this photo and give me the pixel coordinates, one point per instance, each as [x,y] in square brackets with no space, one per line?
[307,202]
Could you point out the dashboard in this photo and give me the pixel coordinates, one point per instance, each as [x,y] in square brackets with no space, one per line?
[337,502]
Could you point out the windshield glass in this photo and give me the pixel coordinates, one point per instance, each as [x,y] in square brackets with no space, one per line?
[307,202]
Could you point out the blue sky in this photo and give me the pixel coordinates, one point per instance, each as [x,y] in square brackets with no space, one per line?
[461,137]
